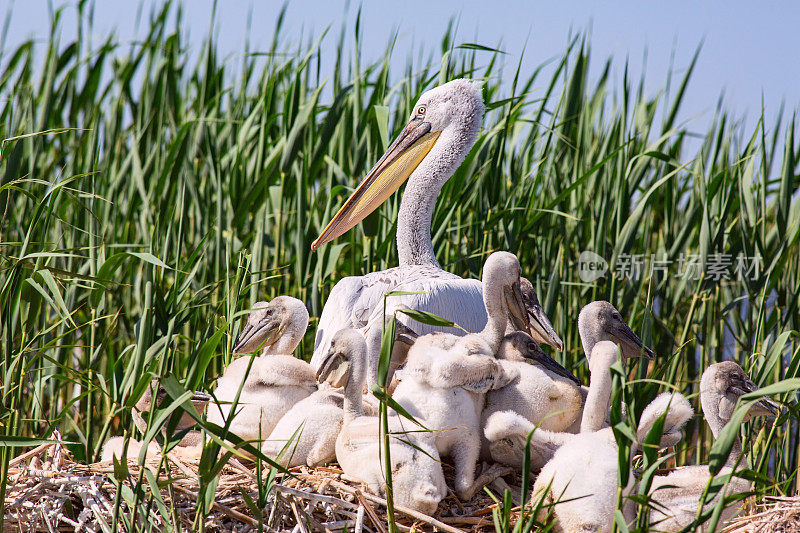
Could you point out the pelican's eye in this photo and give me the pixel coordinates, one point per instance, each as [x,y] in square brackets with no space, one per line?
[421,110]
[269,312]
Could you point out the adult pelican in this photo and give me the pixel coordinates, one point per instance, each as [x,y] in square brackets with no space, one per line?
[440,133]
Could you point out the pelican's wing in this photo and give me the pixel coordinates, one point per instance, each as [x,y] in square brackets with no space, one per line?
[456,299]
[351,304]
[453,368]
[676,410]
[357,302]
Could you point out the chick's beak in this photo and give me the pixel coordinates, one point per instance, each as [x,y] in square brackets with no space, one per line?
[545,361]
[255,336]
[516,308]
[542,330]
[631,344]
[334,369]
[200,399]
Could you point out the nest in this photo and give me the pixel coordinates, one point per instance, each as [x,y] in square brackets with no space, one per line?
[48,491]
[772,514]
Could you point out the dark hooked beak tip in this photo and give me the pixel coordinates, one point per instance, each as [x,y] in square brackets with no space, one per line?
[634,344]
[200,397]
[769,406]
[542,330]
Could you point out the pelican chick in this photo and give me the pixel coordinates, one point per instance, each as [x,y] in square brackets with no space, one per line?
[270,383]
[446,377]
[545,393]
[417,477]
[551,402]
[580,481]
[188,446]
[676,496]
[306,434]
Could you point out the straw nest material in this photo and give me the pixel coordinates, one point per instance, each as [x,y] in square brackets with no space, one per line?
[773,514]
[48,491]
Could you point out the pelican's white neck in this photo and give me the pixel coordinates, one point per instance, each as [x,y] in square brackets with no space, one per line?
[716,423]
[414,246]
[354,388]
[496,314]
[598,400]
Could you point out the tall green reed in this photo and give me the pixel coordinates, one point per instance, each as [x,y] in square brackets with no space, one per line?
[149,194]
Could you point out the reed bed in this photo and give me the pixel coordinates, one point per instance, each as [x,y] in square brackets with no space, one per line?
[150,195]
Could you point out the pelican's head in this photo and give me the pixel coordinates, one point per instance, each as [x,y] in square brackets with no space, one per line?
[344,359]
[269,321]
[456,105]
[449,115]
[600,321]
[502,269]
[721,387]
[542,330]
[519,346]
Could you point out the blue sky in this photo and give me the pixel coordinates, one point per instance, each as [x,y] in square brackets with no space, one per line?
[749,50]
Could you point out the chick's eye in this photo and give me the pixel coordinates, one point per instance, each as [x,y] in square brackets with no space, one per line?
[531,346]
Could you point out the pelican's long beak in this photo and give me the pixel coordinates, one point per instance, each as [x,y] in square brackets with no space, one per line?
[542,330]
[334,369]
[763,407]
[393,168]
[199,400]
[631,344]
[404,334]
[516,308]
[548,363]
[256,336]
